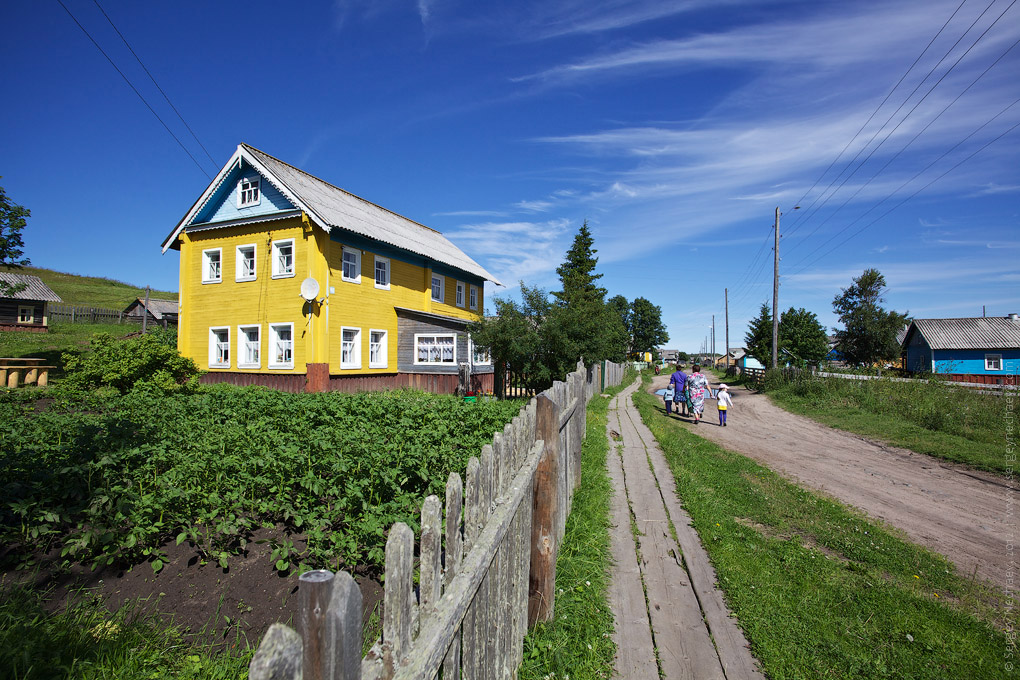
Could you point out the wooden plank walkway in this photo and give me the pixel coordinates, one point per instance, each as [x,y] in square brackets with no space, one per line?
[671,621]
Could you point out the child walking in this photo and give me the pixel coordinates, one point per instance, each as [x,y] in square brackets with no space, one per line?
[724,403]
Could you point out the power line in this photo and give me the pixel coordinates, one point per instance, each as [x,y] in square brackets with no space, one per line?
[794,226]
[961,162]
[134,89]
[908,114]
[919,133]
[167,98]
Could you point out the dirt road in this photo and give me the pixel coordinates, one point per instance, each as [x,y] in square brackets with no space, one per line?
[971,517]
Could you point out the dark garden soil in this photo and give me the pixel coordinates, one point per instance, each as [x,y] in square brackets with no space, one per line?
[232,606]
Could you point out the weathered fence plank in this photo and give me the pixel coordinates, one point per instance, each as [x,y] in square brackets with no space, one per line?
[545,516]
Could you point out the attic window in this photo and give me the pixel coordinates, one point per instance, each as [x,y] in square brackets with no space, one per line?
[248,192]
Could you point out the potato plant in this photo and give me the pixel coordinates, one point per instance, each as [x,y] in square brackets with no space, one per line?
[110,478]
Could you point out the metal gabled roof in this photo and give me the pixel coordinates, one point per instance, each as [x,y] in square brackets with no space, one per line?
[35,288]
[991,332]
[333,208]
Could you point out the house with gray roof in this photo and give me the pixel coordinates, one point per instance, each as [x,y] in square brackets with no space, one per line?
[27,309]
[163,312]
[289,281]
[978,349]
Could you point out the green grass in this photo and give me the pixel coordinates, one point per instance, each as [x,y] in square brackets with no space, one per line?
[578,642]
[61,337]
[932,417]
[94,291]
[85,641]
[819,589]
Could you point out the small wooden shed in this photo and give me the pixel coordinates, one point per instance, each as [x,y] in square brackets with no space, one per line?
[26,309]
[162,312]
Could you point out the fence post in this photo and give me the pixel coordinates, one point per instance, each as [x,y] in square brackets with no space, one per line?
[545,519]
[330,618]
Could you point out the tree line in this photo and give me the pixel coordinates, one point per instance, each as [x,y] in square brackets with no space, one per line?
[868,335]
[541,338]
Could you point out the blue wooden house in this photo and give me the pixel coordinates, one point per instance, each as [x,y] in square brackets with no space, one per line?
[980,349]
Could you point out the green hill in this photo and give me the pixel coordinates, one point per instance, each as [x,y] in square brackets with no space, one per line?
[92,290]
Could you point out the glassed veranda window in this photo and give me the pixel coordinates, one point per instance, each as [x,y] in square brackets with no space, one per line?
[435,349]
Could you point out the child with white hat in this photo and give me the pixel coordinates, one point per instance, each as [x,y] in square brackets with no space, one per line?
[724,403]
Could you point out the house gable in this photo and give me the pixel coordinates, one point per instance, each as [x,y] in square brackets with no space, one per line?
[222,205]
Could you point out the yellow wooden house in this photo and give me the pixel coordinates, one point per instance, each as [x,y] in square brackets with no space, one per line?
[291,282]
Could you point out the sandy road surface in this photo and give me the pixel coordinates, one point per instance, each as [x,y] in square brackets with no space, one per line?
[968,516]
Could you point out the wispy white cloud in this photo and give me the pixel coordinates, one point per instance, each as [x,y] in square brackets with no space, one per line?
[513,251]
[472,213]
[534,206]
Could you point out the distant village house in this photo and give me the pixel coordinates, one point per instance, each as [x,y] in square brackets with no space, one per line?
[27,309]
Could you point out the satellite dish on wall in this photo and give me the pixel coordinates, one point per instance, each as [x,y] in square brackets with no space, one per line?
[309,289]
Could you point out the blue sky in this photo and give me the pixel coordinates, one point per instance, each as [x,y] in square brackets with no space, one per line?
[675,129]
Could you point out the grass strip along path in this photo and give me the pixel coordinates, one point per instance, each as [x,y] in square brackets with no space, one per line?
[819,589]
[578,642]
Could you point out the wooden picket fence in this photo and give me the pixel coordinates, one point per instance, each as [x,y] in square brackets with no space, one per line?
[84,314]
[482,582]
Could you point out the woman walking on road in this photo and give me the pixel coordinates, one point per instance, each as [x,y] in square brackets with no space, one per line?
[678,383]
[699,389]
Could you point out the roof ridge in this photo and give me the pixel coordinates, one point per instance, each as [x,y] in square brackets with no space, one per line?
[341,189]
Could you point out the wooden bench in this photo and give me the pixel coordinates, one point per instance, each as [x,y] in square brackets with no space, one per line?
[16,371]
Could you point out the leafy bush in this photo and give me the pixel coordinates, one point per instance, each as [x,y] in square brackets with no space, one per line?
[123,364]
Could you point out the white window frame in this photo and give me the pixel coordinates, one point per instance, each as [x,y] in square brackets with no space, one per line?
[442,287]
[354,361]
[274,339]
[418,337]
[473,352]
[460,294]
[278,272]
[243,344]
[385,262]
[239,274]
[383,345]
[989,358]
[473,297]
[357,265]
[216,344]
[26,318]
[207,260]
[249,191]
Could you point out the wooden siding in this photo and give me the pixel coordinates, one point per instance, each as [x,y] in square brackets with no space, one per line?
[317,339]
[260,302]
[9,312]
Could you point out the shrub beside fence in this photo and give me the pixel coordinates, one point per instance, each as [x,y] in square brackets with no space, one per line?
[481,588]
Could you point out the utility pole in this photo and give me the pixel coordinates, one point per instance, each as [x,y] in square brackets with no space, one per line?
[713,338]
[775,298]
[726,296]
